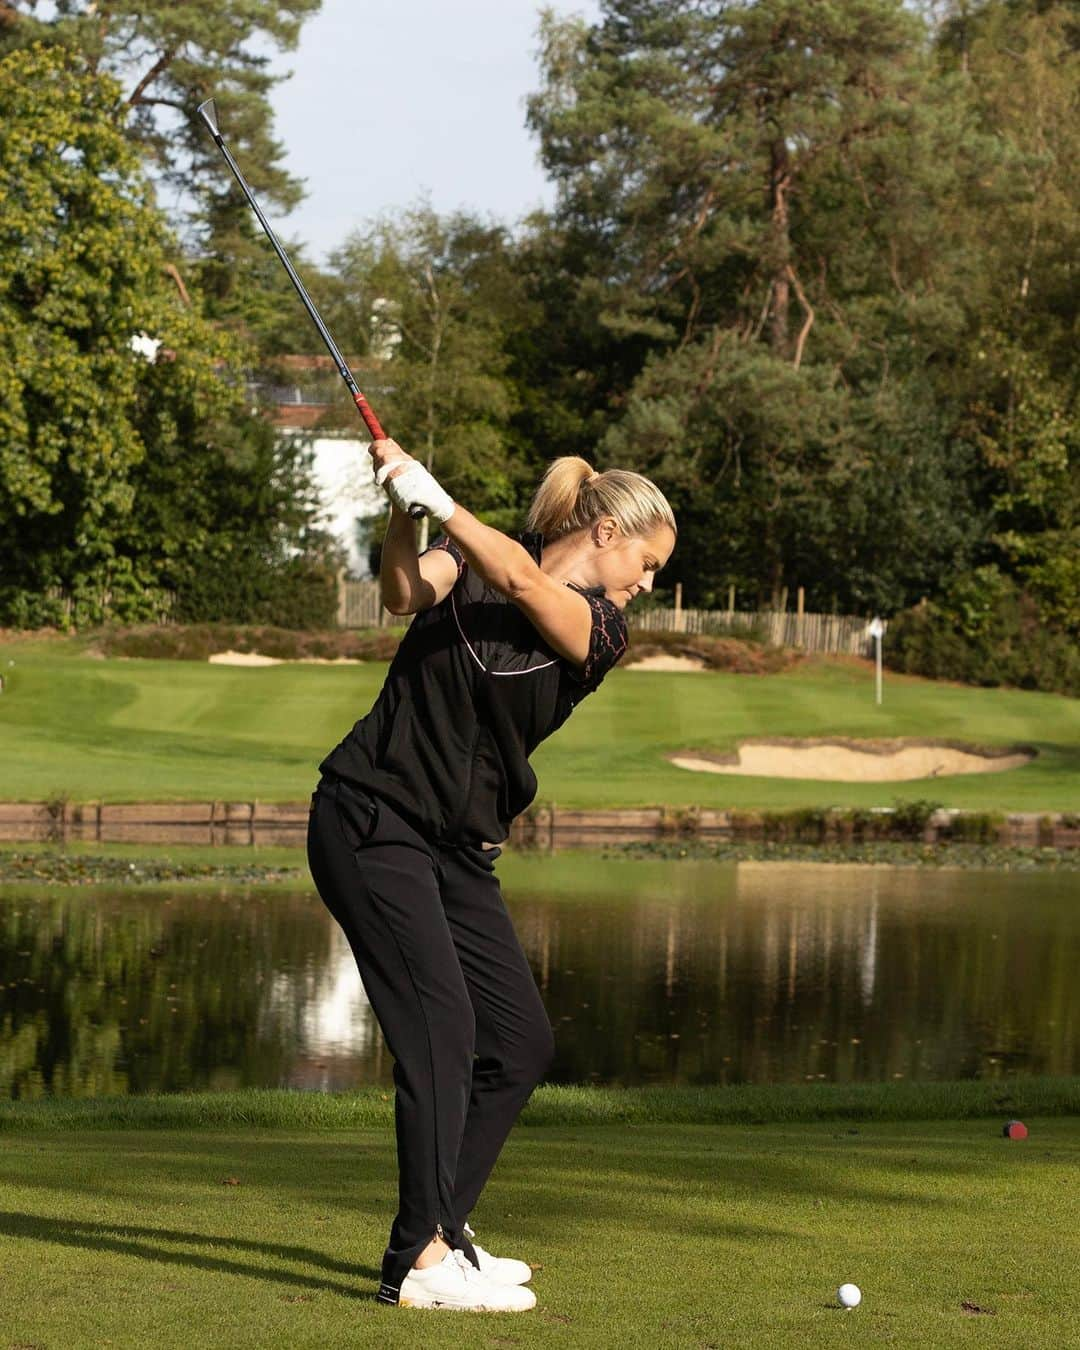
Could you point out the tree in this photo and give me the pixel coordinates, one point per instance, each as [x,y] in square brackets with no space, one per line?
[168,58]
[433,300]
[120,478]
[760,190]
[1019,376]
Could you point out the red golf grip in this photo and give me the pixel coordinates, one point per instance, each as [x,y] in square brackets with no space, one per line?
[363,407]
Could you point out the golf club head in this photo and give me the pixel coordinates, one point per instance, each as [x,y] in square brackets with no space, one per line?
[208,112]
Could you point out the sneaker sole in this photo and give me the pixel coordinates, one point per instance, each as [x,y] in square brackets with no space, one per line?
[456,1307]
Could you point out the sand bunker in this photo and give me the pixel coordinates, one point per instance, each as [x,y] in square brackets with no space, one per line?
[660,662]
[848,761]
[256,659]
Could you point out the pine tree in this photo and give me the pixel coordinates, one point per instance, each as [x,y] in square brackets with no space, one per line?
[759,189]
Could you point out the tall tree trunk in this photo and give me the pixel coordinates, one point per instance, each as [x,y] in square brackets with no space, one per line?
[779,245]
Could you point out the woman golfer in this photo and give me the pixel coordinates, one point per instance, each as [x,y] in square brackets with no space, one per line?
[508,638]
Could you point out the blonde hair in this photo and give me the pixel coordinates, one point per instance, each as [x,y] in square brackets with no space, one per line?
[572,495]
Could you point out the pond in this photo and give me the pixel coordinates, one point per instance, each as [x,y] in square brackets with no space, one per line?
[652,972]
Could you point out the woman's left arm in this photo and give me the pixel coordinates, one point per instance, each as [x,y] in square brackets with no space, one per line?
[562,616]
[501,561]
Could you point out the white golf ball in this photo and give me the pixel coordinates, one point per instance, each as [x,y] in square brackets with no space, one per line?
[849,1296]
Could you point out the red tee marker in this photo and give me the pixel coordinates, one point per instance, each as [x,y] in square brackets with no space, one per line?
[1015,1129]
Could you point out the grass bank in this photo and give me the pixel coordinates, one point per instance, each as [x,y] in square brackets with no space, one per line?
[556,1106]
[131,730]
[704,1235]
[111,865]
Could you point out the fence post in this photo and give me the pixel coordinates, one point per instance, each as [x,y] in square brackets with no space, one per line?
[731,603]
[342,600]
[678,607]
[800,617]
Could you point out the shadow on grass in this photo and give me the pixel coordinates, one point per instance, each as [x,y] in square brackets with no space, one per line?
[672,1181]
[141,1243]
[609,1182]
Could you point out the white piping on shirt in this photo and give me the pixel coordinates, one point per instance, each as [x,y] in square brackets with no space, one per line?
[531,670]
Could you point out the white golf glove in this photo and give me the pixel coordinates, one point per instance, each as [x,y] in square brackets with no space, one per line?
[415,486]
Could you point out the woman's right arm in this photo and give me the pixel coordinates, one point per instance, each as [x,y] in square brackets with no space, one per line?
[562,617]
[410,583]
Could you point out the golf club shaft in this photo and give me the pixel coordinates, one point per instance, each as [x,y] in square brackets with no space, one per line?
[208,113]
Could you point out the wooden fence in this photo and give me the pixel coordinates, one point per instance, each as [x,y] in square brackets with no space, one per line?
[843,633]
[360,606]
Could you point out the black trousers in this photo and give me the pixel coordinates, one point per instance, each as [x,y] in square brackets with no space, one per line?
[455,998]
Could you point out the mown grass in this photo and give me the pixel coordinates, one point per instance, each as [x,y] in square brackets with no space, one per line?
[118,730]
[663,1235]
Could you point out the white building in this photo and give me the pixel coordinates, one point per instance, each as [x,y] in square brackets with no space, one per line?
[342,465]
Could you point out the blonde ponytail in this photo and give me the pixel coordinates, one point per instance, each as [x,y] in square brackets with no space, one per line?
[572,494]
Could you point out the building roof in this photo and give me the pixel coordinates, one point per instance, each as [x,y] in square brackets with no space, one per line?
[300,392]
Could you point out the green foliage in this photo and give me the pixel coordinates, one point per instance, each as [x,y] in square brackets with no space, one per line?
[124,480]
[816,268]
[433,300]
[976,827]
[246,587]
[80,273]
[168,58]
[985,630]
[910,818]
[811,267]
[782,332]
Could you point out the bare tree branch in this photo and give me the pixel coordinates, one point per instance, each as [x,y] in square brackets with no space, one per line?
[809,315]
[170,270]
[162,63]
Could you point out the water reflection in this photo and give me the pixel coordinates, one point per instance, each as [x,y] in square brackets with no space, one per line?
[651,972]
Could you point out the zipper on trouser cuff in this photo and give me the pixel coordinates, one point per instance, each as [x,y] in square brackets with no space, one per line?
[388,1294]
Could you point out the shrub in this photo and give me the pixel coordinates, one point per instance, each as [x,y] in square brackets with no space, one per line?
[197,642]
[975,827]
[910,819]
[987,632]
[740,655]
[300,593]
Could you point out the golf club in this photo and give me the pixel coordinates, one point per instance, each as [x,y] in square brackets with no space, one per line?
[208,112]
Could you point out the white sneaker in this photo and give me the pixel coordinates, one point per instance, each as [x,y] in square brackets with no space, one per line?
[501,1269]
[454,1282]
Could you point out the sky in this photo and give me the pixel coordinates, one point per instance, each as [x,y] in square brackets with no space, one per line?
[392,102]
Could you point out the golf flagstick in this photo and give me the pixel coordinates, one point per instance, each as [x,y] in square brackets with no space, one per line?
[208,112]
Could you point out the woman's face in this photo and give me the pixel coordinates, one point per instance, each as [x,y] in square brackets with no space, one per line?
[626,565]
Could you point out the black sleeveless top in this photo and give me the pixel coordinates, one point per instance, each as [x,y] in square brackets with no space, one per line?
[471,692]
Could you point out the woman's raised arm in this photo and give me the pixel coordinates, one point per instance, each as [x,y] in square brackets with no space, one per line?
[409,583]
[561,616]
